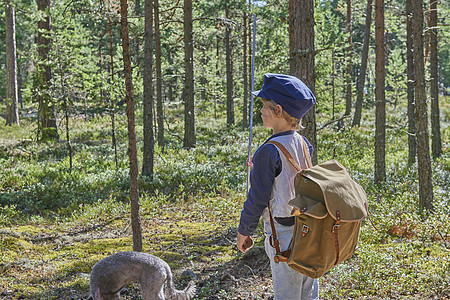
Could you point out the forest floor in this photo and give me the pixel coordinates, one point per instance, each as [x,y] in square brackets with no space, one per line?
[57,221]
[53,261]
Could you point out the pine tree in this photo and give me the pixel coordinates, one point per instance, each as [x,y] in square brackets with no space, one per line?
[189,104]
[380,118]
[132,150]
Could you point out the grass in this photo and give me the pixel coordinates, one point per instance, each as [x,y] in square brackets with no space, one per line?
[56,223]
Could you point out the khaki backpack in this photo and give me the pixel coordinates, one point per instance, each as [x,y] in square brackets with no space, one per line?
[328,208]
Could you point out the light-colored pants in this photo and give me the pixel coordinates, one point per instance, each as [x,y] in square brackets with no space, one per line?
[288,284]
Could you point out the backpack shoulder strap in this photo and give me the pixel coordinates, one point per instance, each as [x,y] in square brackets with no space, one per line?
[306,152]
[289,156]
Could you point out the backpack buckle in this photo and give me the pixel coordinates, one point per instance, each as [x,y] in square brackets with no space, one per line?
[338,222]
[279,257]
[305,230]
[335,228]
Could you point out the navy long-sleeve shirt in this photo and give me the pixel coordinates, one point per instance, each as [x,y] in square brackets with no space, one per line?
[266,166]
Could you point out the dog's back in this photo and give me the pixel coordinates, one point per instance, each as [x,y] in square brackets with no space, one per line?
[113,272]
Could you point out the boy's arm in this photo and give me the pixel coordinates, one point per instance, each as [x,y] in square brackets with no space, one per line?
[267,165]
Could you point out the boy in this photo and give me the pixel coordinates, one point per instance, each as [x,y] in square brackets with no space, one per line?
[286,99]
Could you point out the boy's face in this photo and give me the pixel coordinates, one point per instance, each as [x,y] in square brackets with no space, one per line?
[268,116]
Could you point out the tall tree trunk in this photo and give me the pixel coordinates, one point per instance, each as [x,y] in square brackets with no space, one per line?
[19,81]
[48,125]
[189,104]
[436,143]
[412,146]
[348,79]
[100,70]
[12,104]
[380,118]
[363,68]
[229,68]
[203,80]
[148,151]
[137,12]
[218,85]
[112,112]
[423,150]
[170,81]
[245,71]
[132,150]
[302,52]
[159,100]
[66,115]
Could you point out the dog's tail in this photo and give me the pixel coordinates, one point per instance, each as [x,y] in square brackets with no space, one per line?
[174,294]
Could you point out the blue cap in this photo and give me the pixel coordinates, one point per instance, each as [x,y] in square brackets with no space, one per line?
[288,91]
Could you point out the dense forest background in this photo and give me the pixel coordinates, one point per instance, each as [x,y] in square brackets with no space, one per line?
[65,190]
[84,34]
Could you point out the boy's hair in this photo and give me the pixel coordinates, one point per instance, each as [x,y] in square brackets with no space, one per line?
[296,124]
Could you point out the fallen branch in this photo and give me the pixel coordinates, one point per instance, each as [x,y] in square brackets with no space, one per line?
[333,121]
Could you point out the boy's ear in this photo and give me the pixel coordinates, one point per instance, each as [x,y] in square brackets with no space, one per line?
[279,110]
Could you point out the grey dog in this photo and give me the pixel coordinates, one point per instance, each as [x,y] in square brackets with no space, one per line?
[113,272]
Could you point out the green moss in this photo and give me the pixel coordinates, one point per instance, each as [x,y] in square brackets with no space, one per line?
[109,245]
[31,229]
[12,246]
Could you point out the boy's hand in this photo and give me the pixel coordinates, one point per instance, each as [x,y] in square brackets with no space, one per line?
[244,243]
[249,163]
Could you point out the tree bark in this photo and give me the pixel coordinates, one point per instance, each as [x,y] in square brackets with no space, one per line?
[423,150]
[380,118]
[66,112]
[112,112]
[12,103]
[412,146]
[245,74]
[229,69]
[159,100]
[189,104]
[132,150]
[218,84]
[137,46]
[19,81]
[148,151]
[170,81]
[348,79]
[302,52]
[48,126]
[436,143]
[203,80]
[363,68]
